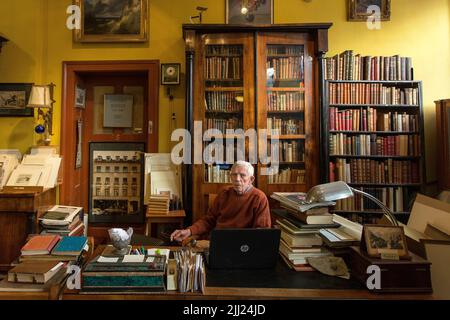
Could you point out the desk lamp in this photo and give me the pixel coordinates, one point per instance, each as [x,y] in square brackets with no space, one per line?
[41,97]
[340,190]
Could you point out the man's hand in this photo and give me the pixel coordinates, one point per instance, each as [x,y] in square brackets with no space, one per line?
[180,235]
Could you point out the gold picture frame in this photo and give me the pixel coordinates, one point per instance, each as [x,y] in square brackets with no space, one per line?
[113,21]
[357,9]
[385,242]
[257,12]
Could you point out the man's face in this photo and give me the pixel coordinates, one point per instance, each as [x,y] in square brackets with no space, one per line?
[240,179]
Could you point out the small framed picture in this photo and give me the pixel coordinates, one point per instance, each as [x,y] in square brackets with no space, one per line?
[14,99]
[385,242]
[249,12]
[170,73]
[80,97]
[360,10]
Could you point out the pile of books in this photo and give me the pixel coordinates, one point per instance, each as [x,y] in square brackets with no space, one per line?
[138,273]
[63,220]
[43,262]
[158,204]
[54,248]
[297,244]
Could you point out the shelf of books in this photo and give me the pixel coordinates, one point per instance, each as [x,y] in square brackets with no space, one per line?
[373,123]
[285,109]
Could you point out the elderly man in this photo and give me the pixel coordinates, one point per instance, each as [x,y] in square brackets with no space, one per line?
[240,206]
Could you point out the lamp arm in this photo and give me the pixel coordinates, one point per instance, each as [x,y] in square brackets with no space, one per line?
[386,210]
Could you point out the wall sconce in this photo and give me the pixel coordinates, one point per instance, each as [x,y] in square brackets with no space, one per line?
[41,97]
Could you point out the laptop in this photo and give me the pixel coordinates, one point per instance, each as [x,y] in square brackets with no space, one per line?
[243,248]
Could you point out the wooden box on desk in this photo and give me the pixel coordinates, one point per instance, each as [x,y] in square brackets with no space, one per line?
[396,275]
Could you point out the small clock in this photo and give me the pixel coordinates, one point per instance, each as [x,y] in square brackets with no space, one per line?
[170,73]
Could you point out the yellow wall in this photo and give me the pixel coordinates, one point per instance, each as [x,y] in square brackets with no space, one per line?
[40,42]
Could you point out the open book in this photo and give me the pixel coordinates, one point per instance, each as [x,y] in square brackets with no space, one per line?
[296,201]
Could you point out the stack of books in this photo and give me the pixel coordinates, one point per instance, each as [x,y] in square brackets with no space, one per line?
[125,274]
[63,220]
[297,244]
[53,248]
[158,204]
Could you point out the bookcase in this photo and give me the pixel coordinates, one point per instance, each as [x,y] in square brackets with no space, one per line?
[372,133]
[246,85]
[443,150]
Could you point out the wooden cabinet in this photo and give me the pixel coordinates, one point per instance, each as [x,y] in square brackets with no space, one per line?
[19,213]
[243,82]
[443,149]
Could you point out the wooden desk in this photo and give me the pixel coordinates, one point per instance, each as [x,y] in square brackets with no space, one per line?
[213,292]
[19,213]
[176,217]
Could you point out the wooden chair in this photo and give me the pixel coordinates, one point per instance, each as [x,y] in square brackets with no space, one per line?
[211,198]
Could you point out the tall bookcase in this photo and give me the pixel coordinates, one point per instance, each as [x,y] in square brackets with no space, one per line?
[372,133]
[253,78]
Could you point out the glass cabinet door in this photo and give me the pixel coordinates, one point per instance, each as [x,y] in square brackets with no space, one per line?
[285,110]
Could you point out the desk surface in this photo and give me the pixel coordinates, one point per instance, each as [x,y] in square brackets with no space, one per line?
[278,283]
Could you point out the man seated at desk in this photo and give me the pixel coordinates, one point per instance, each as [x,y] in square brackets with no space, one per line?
[239,206]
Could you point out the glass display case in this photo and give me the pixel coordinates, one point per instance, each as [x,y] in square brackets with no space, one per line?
[116,190]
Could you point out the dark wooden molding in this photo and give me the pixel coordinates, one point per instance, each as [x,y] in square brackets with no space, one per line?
[227,28]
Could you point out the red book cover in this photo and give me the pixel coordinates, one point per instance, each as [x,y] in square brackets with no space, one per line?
[40,244]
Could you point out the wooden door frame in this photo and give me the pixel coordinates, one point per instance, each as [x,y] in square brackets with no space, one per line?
[68,112]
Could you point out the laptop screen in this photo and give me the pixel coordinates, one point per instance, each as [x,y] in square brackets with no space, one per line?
[243,248]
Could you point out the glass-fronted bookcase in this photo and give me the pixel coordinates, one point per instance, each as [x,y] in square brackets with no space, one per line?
[252,94]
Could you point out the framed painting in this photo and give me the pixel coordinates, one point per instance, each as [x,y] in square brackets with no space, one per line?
[170,73]
[249,11]
[385,242]
[14,99]
[112,21]
[360,10]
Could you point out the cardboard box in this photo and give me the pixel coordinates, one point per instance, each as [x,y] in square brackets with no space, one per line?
[428,235]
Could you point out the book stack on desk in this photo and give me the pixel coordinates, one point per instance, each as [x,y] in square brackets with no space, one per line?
[158,204]
[63,220]
[296,245]
[53,248]
[124,274]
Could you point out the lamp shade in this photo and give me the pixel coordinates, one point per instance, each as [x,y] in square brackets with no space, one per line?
[329,192]
[40,97]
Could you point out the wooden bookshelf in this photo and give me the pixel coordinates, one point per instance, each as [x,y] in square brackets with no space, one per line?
[372,132]
[238,79]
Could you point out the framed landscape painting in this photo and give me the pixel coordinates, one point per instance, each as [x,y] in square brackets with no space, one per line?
[14,99]
[112,21]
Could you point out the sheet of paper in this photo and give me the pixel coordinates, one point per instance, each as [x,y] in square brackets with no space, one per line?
[150,259]
[133,258]
[102,259]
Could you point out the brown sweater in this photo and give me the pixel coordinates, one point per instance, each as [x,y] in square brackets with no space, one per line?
[230,210]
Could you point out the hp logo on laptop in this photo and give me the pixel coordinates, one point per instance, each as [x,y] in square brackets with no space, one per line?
[245,248]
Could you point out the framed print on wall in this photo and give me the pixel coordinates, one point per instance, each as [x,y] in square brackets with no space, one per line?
[249,11]
[14,99]
[359,10]
[170,73]
[112,21]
